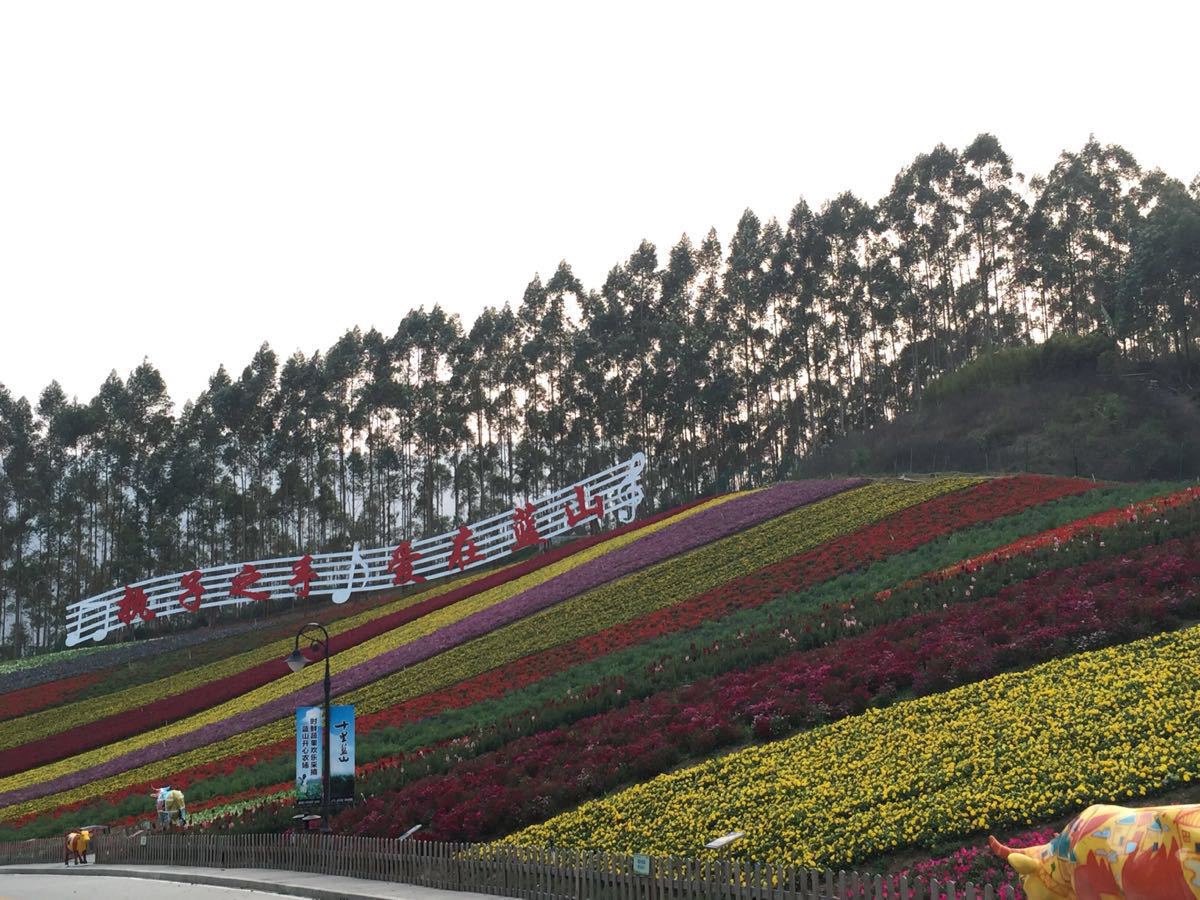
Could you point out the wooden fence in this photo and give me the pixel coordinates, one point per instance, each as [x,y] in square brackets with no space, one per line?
[536,874]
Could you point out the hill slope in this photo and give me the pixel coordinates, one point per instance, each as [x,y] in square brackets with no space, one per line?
[846,623]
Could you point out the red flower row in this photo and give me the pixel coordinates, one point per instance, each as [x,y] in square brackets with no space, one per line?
[30,699]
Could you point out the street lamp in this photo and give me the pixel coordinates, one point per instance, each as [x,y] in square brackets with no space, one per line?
[297,661]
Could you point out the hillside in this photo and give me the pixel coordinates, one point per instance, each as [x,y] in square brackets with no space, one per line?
[852,671]
[1065,408]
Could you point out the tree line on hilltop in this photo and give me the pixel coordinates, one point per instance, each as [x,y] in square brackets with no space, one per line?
[724,362]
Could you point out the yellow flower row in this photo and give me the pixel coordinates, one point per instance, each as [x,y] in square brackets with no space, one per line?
[360,653]
[45,723]
[1018,748]
[658,586]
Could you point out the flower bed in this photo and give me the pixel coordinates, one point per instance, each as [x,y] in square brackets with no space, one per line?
[1023,746]
[256,754]
[206,694]
[139,764]
[1122,598]
[237,717]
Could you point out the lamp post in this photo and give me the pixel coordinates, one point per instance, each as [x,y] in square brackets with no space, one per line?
[297,661]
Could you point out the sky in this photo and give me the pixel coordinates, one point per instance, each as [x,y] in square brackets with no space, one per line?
[183,181]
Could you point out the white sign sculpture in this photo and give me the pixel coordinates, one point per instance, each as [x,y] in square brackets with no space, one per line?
[615,491]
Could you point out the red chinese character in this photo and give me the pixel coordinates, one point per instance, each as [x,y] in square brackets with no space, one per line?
[401,564]
[191,588]
[596,509]
[135,603]
[302,576]
[464,552]
[525,533]
[242,581]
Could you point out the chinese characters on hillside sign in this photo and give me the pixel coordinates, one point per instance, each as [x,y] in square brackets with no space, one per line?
[310,760]
[615,492]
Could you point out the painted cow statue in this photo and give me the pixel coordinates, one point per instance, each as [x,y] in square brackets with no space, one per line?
[77,846]
[1113,852]
[169,804]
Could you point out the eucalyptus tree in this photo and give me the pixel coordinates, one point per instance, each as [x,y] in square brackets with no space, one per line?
[806,263]
[564,298]
[151,422]
[1160,289]
[635,345]
[922,212]
[19,444]
[247,410]
[293,452]
[52,526]
[343,375]
[673,381]
[712,331]
[378,400]
[846,223]
[1079,230]
[426,344]
[604,348]
[747,300]
[770,387]
[543,337]
[484,367]
[989,194]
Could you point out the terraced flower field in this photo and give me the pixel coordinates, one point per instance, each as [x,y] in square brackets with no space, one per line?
[842,669]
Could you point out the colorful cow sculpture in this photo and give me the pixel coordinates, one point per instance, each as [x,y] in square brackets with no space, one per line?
[1112,852]
[169,805]
[77,846]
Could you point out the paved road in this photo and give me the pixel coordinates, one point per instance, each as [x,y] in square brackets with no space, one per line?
[104,881]
[64,887]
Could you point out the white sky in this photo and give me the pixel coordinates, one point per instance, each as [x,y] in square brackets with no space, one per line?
[182,181]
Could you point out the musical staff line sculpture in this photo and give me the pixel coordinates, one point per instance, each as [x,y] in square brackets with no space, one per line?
[616,491]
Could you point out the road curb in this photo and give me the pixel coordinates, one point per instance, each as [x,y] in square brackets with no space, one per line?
[215,878]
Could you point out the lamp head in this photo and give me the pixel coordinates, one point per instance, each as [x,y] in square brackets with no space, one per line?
[724,840]
[296,660]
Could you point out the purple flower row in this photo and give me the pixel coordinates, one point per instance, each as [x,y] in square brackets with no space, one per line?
[696,530]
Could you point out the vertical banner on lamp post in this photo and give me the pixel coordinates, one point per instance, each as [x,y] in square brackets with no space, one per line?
[341,754]
[310,760]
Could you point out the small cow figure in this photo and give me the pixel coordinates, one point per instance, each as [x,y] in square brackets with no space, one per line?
[1113,852]
[77,846]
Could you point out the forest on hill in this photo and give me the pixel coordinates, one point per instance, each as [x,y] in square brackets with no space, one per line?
[727,363]
[1068,406]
